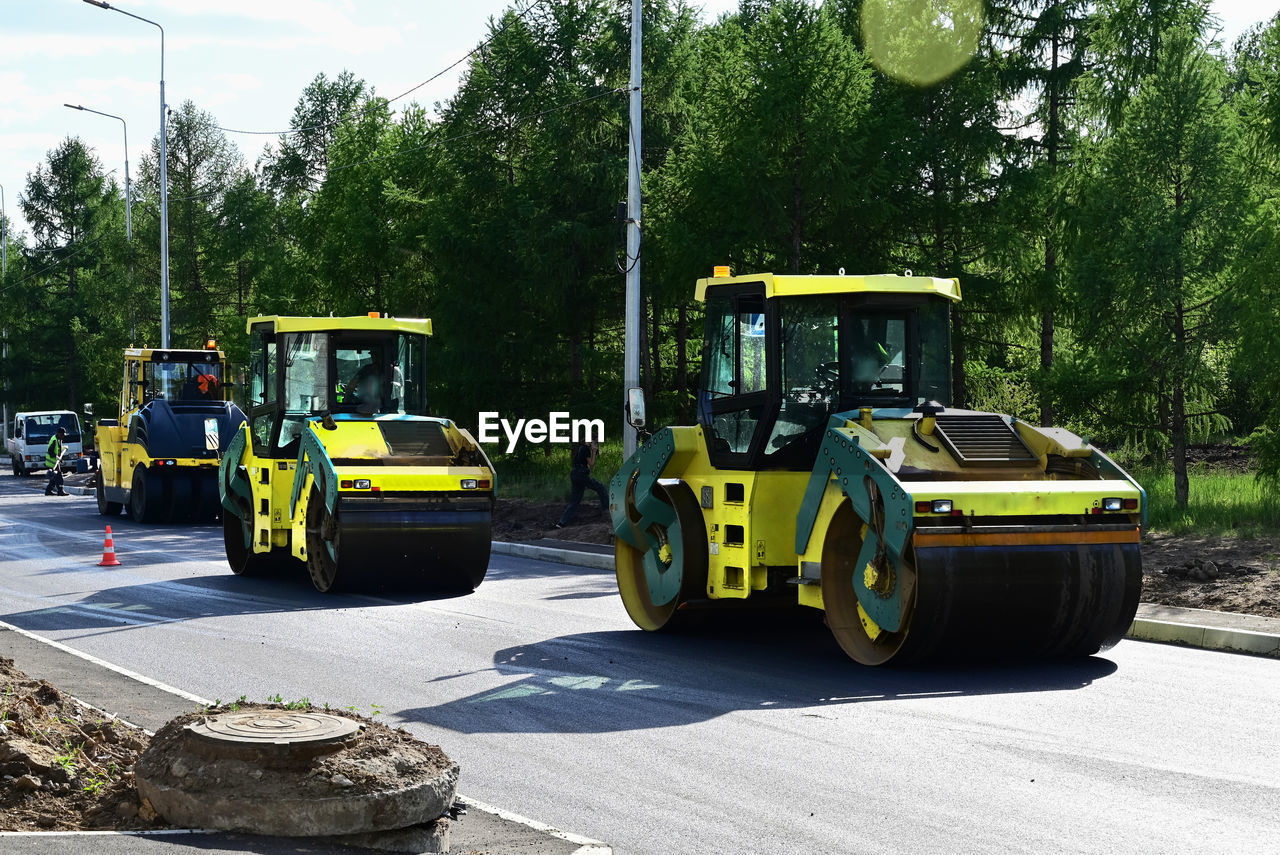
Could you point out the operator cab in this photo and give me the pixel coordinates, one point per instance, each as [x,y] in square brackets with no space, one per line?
[781,355]
[174,376]
[298,374]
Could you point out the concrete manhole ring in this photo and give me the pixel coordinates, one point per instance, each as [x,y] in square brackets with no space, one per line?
[274,727]
[294,773]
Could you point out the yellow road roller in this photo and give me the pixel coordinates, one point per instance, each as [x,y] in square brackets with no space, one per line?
[160,457]
[828,470]
[340,466]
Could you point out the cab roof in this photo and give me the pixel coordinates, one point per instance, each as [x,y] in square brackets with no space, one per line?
[156,354]
[285,323]
[795,286]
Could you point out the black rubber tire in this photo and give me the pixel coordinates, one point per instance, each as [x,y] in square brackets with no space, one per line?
[19,468]
[242,560]
[144,503]
[178,508]
[206,506]
[328,574]
[630,573]
[105,508]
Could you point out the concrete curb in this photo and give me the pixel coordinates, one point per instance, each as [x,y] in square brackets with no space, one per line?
[1207,630]
[586,845]
[1198,628]
[594,560]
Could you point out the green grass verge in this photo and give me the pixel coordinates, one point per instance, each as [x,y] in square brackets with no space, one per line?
[541,473]
[1218,503]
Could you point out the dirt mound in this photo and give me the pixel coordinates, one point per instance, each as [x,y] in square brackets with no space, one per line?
[64,766]
[1225,574]
[525,520]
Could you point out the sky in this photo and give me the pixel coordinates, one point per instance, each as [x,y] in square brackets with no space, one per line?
[245,61]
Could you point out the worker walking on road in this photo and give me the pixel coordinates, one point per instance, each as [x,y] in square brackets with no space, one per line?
[53,459]
[584,457]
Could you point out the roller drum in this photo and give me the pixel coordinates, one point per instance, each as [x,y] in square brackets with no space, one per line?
[1028,601]
[404,543]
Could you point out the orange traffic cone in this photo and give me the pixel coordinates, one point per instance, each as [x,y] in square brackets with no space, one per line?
[109,552]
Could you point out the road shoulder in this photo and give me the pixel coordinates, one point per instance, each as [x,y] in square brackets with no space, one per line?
[150,704]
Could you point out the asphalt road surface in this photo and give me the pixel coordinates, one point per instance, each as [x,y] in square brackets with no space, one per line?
[748,738]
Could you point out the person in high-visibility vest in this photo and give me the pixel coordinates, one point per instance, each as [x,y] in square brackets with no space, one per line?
[53,459]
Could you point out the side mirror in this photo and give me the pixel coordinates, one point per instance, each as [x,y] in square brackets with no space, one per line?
[635,408]
[88,409]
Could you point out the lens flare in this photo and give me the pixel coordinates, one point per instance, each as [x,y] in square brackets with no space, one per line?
[921,42]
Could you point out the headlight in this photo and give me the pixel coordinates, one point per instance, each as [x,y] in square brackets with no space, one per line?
[1111,504]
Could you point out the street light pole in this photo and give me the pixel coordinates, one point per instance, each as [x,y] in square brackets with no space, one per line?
[164,180]
[631,333]
[128,194]
[4,274]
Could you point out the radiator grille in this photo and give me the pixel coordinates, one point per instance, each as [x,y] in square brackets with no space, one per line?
[982,439]
[413,438]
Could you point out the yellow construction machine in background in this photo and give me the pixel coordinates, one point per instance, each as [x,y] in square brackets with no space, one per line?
[160,457]
[341,467]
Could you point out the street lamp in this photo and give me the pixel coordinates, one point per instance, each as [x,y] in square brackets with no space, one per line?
[4,273]
[128,197]
[164,180]
[4,239]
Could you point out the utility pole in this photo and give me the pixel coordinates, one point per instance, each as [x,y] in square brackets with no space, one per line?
[4,274]
[164,179]
[631,345]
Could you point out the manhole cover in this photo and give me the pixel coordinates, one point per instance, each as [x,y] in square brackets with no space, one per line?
[274,727]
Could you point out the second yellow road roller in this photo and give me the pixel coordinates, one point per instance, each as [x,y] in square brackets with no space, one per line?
[160,458]
[828,469]
[341,468]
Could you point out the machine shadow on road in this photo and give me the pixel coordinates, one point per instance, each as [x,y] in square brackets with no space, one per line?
[601,682]
[193,598]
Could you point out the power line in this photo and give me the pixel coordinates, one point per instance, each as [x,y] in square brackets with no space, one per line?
[408,91]
[42,271]
[519,120]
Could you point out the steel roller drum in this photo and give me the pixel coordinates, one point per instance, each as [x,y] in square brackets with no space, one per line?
[1022,600]
[415,543]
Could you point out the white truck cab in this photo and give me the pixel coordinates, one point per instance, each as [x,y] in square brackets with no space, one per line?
[27,439]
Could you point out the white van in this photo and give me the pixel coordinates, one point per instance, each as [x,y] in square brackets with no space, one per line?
[27,439]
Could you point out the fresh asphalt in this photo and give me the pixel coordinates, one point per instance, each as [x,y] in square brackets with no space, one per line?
[752,737]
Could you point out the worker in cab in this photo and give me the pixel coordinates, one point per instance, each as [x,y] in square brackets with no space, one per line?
[365,389]
[53,454]
[200,386]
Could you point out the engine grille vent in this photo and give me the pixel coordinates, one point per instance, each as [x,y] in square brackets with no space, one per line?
[982,439]
[413,438]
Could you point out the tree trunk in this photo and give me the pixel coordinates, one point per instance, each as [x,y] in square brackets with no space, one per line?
[1050,248]
[1178,415]
[646,376]
[797,220]
[73,361]
[959,394]
[1046,364]
[655,344]
[682,365]
[575,354]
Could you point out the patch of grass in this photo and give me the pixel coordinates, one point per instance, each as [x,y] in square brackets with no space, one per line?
[1219,502]
[541,473]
